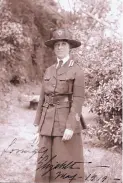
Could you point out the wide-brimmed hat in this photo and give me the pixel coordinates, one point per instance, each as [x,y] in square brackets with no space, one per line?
[62,35]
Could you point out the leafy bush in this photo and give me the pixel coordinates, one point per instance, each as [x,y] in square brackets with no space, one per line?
[25,25]
[104,85]
[107,104]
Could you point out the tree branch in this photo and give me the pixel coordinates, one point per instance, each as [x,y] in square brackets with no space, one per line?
[101,22]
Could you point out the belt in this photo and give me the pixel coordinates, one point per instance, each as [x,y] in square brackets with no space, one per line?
[58,99]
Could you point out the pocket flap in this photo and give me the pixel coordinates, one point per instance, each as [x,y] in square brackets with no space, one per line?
[67,77]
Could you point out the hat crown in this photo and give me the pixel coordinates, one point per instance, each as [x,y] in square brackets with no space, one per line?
[61,34]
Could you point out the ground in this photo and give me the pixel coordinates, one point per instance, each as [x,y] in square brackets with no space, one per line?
[18,152]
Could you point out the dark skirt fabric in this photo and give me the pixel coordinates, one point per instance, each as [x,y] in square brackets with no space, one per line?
[60,161]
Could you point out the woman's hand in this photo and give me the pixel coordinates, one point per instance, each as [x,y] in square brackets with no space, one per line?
[67,135]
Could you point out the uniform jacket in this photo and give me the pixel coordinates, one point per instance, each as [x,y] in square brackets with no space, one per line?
[67,81]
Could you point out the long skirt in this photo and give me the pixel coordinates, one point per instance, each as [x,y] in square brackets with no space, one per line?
[60,161]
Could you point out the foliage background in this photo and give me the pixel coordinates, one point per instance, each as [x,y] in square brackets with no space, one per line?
[25,25]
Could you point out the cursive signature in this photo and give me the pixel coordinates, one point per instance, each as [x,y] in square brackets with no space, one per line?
[45,163]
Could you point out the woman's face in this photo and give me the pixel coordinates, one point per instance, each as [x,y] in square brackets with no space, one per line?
[61,49]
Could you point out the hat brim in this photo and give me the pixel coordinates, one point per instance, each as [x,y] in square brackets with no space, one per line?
[73,43]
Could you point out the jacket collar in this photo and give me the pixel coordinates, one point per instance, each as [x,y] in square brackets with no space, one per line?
[65,68]
[64,60]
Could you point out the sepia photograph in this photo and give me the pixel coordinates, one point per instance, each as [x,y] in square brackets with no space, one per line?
[61,91]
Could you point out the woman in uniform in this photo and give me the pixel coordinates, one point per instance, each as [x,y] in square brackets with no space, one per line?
[60,155]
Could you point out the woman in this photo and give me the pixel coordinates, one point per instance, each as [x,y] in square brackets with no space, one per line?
[60,156]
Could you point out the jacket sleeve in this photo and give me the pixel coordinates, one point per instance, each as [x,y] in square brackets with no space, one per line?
[39,108]
[77,100]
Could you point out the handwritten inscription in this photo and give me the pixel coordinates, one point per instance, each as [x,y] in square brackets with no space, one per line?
[45,163]
[17,151]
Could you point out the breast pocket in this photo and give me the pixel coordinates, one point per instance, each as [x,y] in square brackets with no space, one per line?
[63,85]
[66,83]
[47,81]
[47,84]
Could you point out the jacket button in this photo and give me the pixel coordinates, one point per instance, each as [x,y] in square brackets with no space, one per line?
[54,85]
